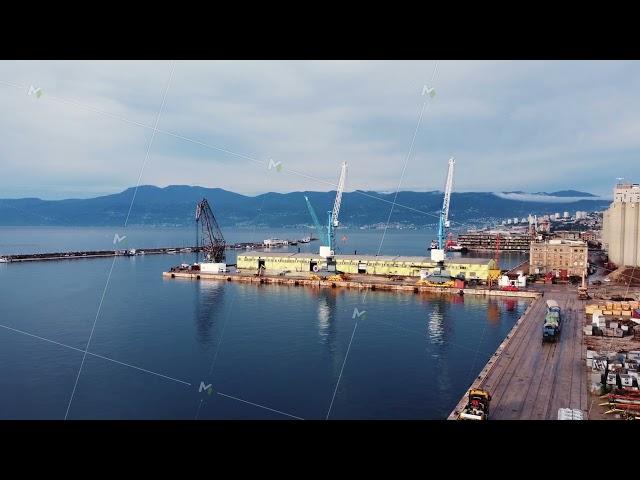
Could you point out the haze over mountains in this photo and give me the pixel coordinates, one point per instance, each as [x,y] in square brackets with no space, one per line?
[175,205]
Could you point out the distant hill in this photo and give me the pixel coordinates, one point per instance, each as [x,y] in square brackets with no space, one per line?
[174,205]
[571,193]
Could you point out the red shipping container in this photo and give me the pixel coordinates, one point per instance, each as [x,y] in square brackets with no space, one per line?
[459,283]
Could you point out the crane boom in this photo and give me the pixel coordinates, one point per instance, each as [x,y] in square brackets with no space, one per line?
[338,202]
[316,222]
[444,213]
[447,191]
[333,220]
[209,234]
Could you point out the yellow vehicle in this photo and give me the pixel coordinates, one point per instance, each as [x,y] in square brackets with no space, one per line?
[427,283]
[336,278]
[477,407]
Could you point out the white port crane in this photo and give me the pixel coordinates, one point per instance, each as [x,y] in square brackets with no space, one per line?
[328,239]
[338,202]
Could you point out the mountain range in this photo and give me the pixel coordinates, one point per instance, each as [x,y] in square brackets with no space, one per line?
[175,205]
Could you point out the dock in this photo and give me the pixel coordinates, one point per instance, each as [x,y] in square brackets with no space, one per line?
[74,255]
[33,257]
[358,282]
[529,380]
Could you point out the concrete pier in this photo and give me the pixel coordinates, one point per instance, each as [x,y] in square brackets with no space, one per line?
[358,282]
[529,380]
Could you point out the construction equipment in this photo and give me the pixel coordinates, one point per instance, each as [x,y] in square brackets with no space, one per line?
[552,322]
[477,407]
[583,293]
[321,232]
[438,254]
[327,236]
[439,276]
[209,238]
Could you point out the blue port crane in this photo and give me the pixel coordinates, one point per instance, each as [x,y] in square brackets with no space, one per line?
[438,254]
[327,234]
[321,232]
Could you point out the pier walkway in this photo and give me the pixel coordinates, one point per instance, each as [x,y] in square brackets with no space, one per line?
[529,380]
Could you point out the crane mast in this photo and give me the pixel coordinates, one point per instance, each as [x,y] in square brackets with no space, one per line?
[209,237]
[438,254]
[333,215]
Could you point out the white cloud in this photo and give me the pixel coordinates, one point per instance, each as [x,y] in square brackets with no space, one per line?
[535,126]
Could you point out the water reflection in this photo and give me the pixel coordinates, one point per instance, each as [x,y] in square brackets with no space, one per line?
[209,308]
[326,318]
[439,330]
[493,312]
[435,326]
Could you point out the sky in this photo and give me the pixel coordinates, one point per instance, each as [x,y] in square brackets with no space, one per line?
[99,127]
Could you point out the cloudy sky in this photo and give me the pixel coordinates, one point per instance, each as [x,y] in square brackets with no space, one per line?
[511,125]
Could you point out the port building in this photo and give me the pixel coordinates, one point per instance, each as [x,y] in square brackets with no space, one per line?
[621,226]
[471,268]
[564,258]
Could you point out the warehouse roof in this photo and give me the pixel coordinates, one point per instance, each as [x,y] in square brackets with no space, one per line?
[368,258]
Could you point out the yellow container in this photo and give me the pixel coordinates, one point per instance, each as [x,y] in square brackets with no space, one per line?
[617,312]
[607,312]
[625,306]
[626,313]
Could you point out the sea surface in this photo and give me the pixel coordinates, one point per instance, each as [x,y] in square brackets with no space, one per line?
[181,349]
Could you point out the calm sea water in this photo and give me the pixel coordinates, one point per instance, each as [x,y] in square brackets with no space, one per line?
[268,352]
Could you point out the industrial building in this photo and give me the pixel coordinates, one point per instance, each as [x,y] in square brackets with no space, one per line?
[564,258]
[478,269]
[621,226]
[486,241]
[567,234]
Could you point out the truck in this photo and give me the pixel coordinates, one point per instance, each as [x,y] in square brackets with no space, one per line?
[552,322]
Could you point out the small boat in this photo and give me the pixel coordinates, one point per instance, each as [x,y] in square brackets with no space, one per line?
[4,260]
